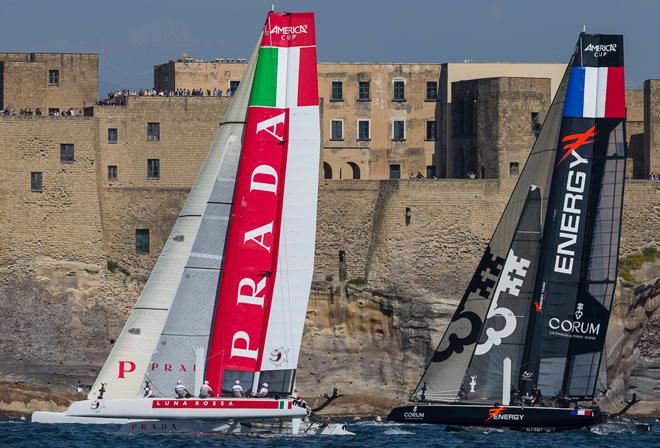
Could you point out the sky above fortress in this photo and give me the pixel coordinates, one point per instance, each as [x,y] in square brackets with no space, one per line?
[133,36]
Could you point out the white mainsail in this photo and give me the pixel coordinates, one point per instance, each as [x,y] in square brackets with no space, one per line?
[130,360]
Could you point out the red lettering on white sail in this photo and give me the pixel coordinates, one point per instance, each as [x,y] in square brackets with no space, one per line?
[125,367]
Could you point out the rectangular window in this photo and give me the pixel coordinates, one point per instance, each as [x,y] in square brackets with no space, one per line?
[337,130]
[233,86]
[142,241]
[430,171]
[431,91]
[513,168]
[66,153]
[395,171]
[337,93]
[153,168]
[431,130]
[112,135]
[398,130]
[53,77]
[112,172]
[399,91]
[36,181]
[153,131]
[364,130]
[536,126]
[363,92]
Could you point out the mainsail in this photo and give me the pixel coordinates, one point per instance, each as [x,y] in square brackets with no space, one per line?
[267,272]
[235,273]
[511,329]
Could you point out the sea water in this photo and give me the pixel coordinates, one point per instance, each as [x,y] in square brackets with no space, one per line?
[20,433]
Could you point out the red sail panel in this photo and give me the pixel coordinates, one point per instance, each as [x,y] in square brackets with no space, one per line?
[248,276]
[289,30]
[308,92]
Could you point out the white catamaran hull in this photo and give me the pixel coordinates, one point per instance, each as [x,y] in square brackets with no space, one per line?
[156,415]
[125,409]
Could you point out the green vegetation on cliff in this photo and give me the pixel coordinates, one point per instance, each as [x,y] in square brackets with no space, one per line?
[634,262]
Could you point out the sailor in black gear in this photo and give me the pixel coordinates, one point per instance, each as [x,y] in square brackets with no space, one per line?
[537,396]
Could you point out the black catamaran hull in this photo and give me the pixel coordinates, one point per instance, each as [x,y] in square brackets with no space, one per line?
[514,417]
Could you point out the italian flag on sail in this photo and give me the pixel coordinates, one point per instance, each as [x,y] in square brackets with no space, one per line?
[265,273]
[286,69]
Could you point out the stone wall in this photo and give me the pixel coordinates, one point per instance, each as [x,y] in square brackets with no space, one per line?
[25,81]
[652,123]
[493,126]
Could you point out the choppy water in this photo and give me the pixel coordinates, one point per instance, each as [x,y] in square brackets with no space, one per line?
[18,433]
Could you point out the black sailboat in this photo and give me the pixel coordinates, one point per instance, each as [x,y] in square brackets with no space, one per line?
[535,314]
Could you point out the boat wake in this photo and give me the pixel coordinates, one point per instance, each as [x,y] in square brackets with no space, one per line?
[396,432]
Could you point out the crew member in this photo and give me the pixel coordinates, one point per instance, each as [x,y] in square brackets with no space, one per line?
[462,394]
[147,391]
[181,391]
[263,392]
[205,391]
[237,390]
[562,399]
[537,397]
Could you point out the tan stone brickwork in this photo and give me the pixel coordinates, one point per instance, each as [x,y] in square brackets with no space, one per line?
[492,124]
[652,123]
[25,81]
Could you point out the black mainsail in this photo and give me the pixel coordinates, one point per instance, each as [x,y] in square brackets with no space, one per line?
[537,308]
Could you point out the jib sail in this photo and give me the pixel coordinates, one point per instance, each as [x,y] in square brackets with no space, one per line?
[445,372]
[169,325]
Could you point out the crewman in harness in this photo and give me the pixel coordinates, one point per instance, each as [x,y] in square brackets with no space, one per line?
[181,391]
[263,392]
[237,389]
[205,391]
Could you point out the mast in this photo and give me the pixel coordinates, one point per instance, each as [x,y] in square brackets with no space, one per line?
[578,266]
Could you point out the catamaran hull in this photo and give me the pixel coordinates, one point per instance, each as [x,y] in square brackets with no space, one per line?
[126,409]
[514,417]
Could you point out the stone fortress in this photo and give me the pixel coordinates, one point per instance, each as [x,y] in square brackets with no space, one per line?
[88,201]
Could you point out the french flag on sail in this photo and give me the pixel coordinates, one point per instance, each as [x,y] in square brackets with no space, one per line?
[596,92]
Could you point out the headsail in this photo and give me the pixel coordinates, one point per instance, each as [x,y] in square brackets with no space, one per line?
[159,339]
[266,275]
[445,372]
[580,147]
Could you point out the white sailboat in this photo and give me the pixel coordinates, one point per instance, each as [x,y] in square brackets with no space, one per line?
[227,298]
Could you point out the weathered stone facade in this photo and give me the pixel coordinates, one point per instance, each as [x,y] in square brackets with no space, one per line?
[652,124]
[26,81]
[494,124]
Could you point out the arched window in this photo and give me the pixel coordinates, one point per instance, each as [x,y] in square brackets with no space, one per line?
[327,171]
[356,169]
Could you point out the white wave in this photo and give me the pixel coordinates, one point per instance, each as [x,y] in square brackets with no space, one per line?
[396,432]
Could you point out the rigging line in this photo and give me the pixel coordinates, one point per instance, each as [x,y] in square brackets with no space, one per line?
[152,384]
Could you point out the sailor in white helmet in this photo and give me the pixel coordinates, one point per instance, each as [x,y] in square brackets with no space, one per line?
[237,390]
[205,391]
[180,390]
[263,392]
